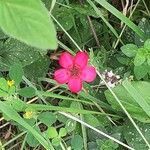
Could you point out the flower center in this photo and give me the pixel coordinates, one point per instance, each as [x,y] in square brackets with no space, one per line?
[75,71]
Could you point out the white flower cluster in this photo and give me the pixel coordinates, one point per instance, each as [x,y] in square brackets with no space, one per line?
[111,78]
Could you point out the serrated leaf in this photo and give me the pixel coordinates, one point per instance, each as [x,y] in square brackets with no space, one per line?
[29,22]
[129,50]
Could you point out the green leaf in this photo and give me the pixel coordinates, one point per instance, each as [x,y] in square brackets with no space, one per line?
[141,71]
[31,140]
[140,57]
[38,68]
[51,132]
[144,25]
[18,104]
[47,118]
[3,88]
[147,44]
[70,125]
[77,142]
[16,73]
[13,51]
[132,136]
[137,96]
[62,132]
[92,120]
[107,144]
[56,141]
[11,113]
[64,16]
[27,92]
[129,50]
[134,109]
[29,22]
[148,61]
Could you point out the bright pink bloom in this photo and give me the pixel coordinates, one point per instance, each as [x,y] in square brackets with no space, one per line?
[74,70]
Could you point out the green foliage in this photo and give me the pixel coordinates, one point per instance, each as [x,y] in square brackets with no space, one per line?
[45,114]
[77,142]
[128,101]
[47,118]
[16,73]
[27,92]
[28,22]
[132,136]
[13,51]
[129,50]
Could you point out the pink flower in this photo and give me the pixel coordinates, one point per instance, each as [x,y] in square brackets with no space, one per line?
[74,71]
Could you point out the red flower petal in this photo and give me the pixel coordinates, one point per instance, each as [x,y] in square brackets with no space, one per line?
[88,74]
[81,59]
[75,84]
[62,76]
[66,60]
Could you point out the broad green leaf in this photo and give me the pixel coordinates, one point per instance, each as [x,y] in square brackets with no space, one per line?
[27,92]
[140,57]
[137,96]
[77,142]
[16,73]
[38,68]
[129,50]
[132,136]
[11,113]
[134,109]
[141,71]
[48,118]
[52,132]
[14,51]
[29,22]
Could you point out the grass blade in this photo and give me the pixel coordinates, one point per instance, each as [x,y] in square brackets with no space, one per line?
[123,18]
[11,113]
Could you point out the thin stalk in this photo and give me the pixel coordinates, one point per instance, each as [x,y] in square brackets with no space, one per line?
[124,109]
[98,131]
